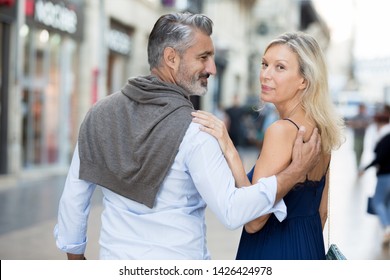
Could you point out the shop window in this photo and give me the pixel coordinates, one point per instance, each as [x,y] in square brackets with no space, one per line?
[46,98]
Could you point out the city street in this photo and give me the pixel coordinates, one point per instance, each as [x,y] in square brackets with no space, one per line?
[28,215]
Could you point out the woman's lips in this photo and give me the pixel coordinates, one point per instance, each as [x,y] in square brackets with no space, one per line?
[265,88]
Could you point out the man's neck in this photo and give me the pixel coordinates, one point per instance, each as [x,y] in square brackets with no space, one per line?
[163,75]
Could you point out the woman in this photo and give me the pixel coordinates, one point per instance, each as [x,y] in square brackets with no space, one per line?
[294,78]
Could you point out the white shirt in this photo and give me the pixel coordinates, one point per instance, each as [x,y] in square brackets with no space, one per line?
[175,227]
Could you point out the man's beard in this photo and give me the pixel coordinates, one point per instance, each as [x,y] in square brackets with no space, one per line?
[195,85]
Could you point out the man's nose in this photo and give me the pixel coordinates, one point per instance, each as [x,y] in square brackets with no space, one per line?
[210,67]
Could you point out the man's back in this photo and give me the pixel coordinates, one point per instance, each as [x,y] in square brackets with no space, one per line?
[173,229]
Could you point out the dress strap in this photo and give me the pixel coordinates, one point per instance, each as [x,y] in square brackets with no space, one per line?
[292,123]
[327,168]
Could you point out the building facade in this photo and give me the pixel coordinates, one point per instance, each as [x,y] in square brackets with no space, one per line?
[58,57]
[8,17]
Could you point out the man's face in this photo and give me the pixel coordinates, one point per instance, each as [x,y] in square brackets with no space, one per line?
[196,65]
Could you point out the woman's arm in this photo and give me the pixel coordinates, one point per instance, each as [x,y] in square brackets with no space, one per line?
[275,156]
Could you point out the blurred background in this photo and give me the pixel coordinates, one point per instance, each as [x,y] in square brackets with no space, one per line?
[58,57]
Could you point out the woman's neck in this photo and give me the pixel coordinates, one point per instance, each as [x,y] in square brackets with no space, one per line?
[290,112]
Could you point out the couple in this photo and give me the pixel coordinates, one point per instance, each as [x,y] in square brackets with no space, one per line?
[158,170]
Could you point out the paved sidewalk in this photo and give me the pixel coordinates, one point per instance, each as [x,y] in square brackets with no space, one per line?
[28,214]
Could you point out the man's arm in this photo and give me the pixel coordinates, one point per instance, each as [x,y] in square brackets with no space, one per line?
[304,157]
[74,207]
[75,256]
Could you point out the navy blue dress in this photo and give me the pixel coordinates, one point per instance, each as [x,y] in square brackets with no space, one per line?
[298,237]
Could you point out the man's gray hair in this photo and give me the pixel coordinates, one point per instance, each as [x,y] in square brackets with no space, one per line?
[175,30]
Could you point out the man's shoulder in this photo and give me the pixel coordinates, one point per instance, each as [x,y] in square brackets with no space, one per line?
[193,130]
[112,100]
[195,135]
[196,140]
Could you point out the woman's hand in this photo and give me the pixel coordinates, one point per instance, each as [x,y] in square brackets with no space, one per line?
[214,126]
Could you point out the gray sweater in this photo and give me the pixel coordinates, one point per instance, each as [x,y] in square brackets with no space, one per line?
[129,139]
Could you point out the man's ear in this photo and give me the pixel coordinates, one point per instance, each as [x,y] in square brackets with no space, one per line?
[171,57]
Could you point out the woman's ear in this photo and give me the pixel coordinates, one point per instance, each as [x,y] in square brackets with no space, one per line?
[171,57]
[303,84]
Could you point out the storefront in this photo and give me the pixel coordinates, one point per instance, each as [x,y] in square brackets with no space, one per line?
[51,40]
[119,41]
[8,10]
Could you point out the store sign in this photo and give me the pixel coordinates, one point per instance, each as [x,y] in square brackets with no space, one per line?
[119,42]
[56,16]
[64,16]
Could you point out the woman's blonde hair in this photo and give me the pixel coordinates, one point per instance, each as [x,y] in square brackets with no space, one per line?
[316,99]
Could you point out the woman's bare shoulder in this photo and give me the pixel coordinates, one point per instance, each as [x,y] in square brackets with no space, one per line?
[282,128]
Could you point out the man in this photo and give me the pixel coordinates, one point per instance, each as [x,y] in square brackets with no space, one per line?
[157,170]
[235,128]
[359,124]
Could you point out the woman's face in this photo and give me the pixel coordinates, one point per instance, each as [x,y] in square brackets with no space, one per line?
[279,76]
